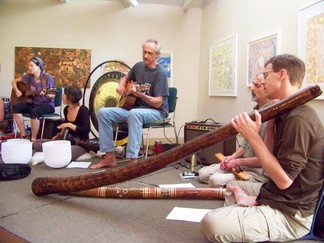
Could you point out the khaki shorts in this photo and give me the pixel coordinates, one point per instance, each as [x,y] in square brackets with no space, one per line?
[235,223]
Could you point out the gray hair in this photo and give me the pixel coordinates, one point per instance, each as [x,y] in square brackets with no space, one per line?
[157,44]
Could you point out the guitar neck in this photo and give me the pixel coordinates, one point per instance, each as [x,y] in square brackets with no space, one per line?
[139,87]
[30,93]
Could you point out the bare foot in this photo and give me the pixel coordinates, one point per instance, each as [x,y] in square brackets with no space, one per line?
[241,197]
[108,161]
[132,161]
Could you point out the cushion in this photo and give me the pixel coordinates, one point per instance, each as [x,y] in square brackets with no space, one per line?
[10,172]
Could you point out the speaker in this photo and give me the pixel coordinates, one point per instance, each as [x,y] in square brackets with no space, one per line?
[207,156]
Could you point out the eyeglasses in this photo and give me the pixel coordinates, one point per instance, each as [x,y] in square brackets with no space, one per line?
[266,73]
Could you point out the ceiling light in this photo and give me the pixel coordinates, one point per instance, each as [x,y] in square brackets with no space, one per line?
[132,3]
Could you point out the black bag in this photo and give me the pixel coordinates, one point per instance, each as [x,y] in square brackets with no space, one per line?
[10,172]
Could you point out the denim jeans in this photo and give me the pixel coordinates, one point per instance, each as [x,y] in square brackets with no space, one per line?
[136,117]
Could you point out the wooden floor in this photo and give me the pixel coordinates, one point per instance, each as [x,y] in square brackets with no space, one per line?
[6,236]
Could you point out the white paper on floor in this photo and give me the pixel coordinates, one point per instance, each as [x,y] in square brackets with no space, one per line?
[187,214]
[75,164]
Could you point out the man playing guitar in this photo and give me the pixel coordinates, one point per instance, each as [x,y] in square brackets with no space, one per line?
[37,83]
[148,107]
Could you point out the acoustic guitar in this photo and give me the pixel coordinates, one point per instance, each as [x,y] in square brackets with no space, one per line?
[127,101]
[27,94]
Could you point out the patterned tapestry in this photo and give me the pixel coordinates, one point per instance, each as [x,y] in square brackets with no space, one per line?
[67,66]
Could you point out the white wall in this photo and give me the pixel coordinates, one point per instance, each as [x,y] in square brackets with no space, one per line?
[115,32]
[251,20]
[111,31]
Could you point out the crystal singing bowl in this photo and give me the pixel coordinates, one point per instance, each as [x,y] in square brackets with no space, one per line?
[16,151]
[57,154]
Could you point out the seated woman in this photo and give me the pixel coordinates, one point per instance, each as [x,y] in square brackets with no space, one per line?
[76,120]
[38,82]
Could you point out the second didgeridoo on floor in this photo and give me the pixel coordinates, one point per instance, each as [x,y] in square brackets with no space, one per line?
[48,185]
[153,193]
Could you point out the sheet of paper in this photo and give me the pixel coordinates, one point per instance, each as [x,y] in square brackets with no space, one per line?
[183,185]
[75,164]
[187,214]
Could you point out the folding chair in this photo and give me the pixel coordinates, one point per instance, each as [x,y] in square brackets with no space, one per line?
[49,116]
[55,115]
[165,123]
[317,229]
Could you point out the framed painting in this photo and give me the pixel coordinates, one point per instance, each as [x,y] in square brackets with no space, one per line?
[223,67]
[259,51]
[67,66]
[165,60]
[311,42]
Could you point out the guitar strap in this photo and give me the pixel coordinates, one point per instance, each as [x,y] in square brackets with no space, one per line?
[44,81]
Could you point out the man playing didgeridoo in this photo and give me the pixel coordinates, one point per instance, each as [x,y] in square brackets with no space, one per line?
[219,175]
[284,207]
[149,106]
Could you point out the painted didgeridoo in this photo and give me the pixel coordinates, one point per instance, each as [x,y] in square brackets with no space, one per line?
[48,185]
[152,193]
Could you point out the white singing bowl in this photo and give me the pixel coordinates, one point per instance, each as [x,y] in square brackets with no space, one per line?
[57,154]
[17,140]
[18,151]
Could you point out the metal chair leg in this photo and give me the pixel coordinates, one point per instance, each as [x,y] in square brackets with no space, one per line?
[147,142]
[43,127]
[176,135]
[116,135]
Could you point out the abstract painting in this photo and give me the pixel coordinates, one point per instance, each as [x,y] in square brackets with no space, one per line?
[165,60]
[259,51]
[311,42]
[223,68]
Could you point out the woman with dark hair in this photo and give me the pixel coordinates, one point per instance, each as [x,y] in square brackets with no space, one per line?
[41,102]
[76,120]
[76,115]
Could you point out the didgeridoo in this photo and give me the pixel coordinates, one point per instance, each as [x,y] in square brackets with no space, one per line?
[48,185]
[235,170]
[153,193]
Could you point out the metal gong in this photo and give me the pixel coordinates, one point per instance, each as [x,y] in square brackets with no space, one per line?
[103,94]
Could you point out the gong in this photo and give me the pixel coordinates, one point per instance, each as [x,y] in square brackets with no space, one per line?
[103,92]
